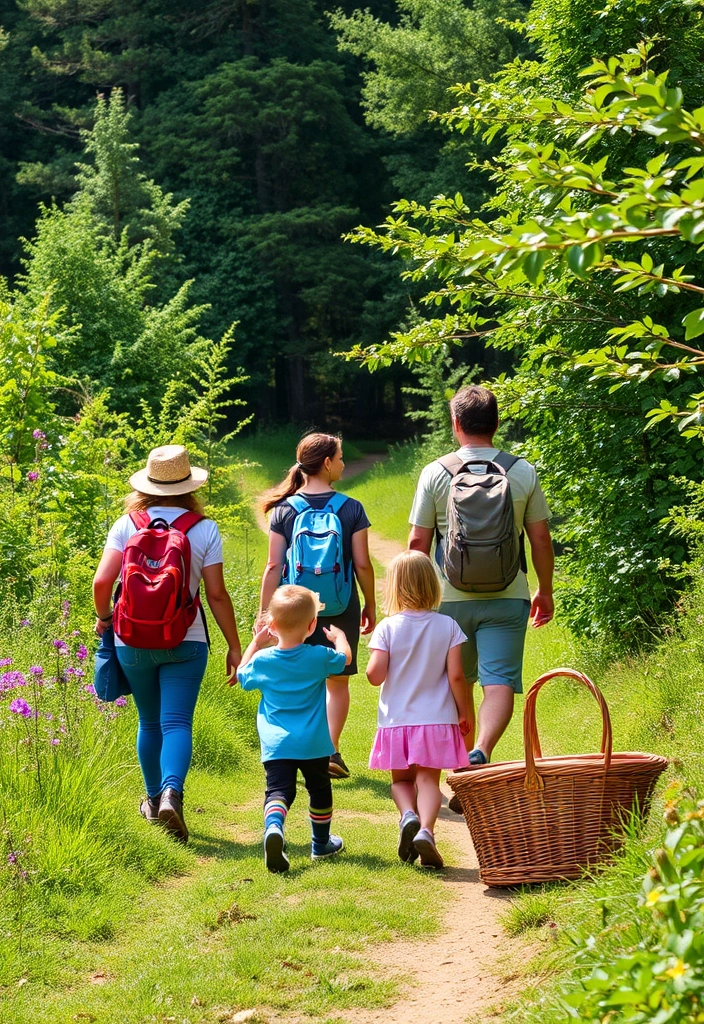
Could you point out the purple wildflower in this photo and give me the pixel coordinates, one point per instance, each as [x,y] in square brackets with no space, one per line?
[82,652]
[78,672]
[12,856]
[9,680]
[49,717]
[39,435]
[65,609]
[25,622]
[76,632]
[32,476]
[89,688]
[61,646]
[21,707]
[55,742]
[36,670]
[121,702]
[5,661]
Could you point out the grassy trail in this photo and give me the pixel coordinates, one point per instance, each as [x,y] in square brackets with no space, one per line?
[471,963]
[327,942]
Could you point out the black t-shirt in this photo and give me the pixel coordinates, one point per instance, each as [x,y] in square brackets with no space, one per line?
[351,515]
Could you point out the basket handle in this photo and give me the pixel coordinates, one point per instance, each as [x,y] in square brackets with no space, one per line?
[531,741]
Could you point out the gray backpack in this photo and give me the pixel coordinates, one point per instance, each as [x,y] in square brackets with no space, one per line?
[482,551]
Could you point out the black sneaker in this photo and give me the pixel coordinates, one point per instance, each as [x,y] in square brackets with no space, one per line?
[338,769]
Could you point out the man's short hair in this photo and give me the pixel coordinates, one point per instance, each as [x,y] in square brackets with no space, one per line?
[293,607]
[475,411]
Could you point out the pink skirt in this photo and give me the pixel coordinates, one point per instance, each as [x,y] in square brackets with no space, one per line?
[428,746]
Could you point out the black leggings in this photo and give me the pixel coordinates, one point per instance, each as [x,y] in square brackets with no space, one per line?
[281,780]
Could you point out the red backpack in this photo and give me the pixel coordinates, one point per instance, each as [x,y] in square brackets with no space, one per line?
[153,603]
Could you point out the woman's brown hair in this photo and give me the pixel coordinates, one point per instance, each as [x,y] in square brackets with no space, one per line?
[311,453]
[139,502]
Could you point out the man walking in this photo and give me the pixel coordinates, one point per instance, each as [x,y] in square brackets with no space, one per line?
[494,622]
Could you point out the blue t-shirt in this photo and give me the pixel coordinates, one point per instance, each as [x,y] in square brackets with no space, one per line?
[292,720]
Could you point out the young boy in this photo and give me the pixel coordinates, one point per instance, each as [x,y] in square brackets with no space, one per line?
[291,720]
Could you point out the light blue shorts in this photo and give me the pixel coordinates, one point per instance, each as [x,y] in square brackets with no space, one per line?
[496,636]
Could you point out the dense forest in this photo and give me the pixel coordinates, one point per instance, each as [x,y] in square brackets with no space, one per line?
[181,191]
[251,121]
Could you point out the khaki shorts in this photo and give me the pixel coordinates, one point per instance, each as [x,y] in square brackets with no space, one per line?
[496,636]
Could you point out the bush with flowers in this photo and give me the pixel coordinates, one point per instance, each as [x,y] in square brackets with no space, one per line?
[659,977]
[73,849]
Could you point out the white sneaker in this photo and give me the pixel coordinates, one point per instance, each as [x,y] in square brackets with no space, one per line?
[424,844]
[409,827]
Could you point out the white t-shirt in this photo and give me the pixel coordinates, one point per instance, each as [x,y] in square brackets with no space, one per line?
[206,549]
[416,690]
[430,510]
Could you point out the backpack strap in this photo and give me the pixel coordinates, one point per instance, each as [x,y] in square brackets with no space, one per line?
[505,460]
[186,521]
[141,520]
[336,502]
[451,463]
[298,503]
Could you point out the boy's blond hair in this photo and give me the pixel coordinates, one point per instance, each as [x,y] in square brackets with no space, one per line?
[293,607]
[411,584]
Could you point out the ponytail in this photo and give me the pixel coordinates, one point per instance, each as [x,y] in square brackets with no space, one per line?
[293,481]
[311,453]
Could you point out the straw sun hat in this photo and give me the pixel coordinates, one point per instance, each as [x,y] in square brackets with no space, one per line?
[169,471]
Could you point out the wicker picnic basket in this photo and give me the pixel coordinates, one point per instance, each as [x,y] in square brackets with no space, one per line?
[549,818]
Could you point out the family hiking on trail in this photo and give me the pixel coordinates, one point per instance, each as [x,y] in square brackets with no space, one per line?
[453,619]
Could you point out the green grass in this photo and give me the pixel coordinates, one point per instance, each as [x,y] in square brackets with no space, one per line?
[118,923]
[386,491]
[121,925]
[266,457]
[656,703]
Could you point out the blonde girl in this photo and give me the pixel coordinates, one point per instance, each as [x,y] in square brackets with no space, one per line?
[423,706]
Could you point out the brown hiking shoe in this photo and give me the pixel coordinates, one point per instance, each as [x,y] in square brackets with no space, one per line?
[149,808]
[454,804]
[338,769]
[171,814]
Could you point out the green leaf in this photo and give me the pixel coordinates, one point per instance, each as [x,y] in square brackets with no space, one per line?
[694,324]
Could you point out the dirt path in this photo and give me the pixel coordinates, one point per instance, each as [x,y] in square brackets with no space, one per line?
[470,966]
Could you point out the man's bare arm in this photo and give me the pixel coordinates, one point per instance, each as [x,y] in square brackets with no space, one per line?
[421,539]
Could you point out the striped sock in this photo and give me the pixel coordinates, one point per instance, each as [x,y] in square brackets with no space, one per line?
[275,812]
[320,826]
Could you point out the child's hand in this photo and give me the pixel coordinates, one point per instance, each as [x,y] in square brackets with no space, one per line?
[465,726]
[263,637]
[334,633]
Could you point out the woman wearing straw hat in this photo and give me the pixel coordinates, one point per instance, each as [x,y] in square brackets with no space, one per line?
[165,682]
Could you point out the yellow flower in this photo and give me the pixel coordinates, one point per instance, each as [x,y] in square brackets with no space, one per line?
[653,897]
[677,970]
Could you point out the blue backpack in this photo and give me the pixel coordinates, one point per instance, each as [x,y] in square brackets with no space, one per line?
[315,558]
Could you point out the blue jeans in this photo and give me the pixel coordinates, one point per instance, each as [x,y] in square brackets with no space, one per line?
[165,686]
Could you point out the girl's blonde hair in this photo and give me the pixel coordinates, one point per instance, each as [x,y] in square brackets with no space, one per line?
[411,584]
[136,501]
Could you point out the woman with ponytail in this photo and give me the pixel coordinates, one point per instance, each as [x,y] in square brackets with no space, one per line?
[317,467]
